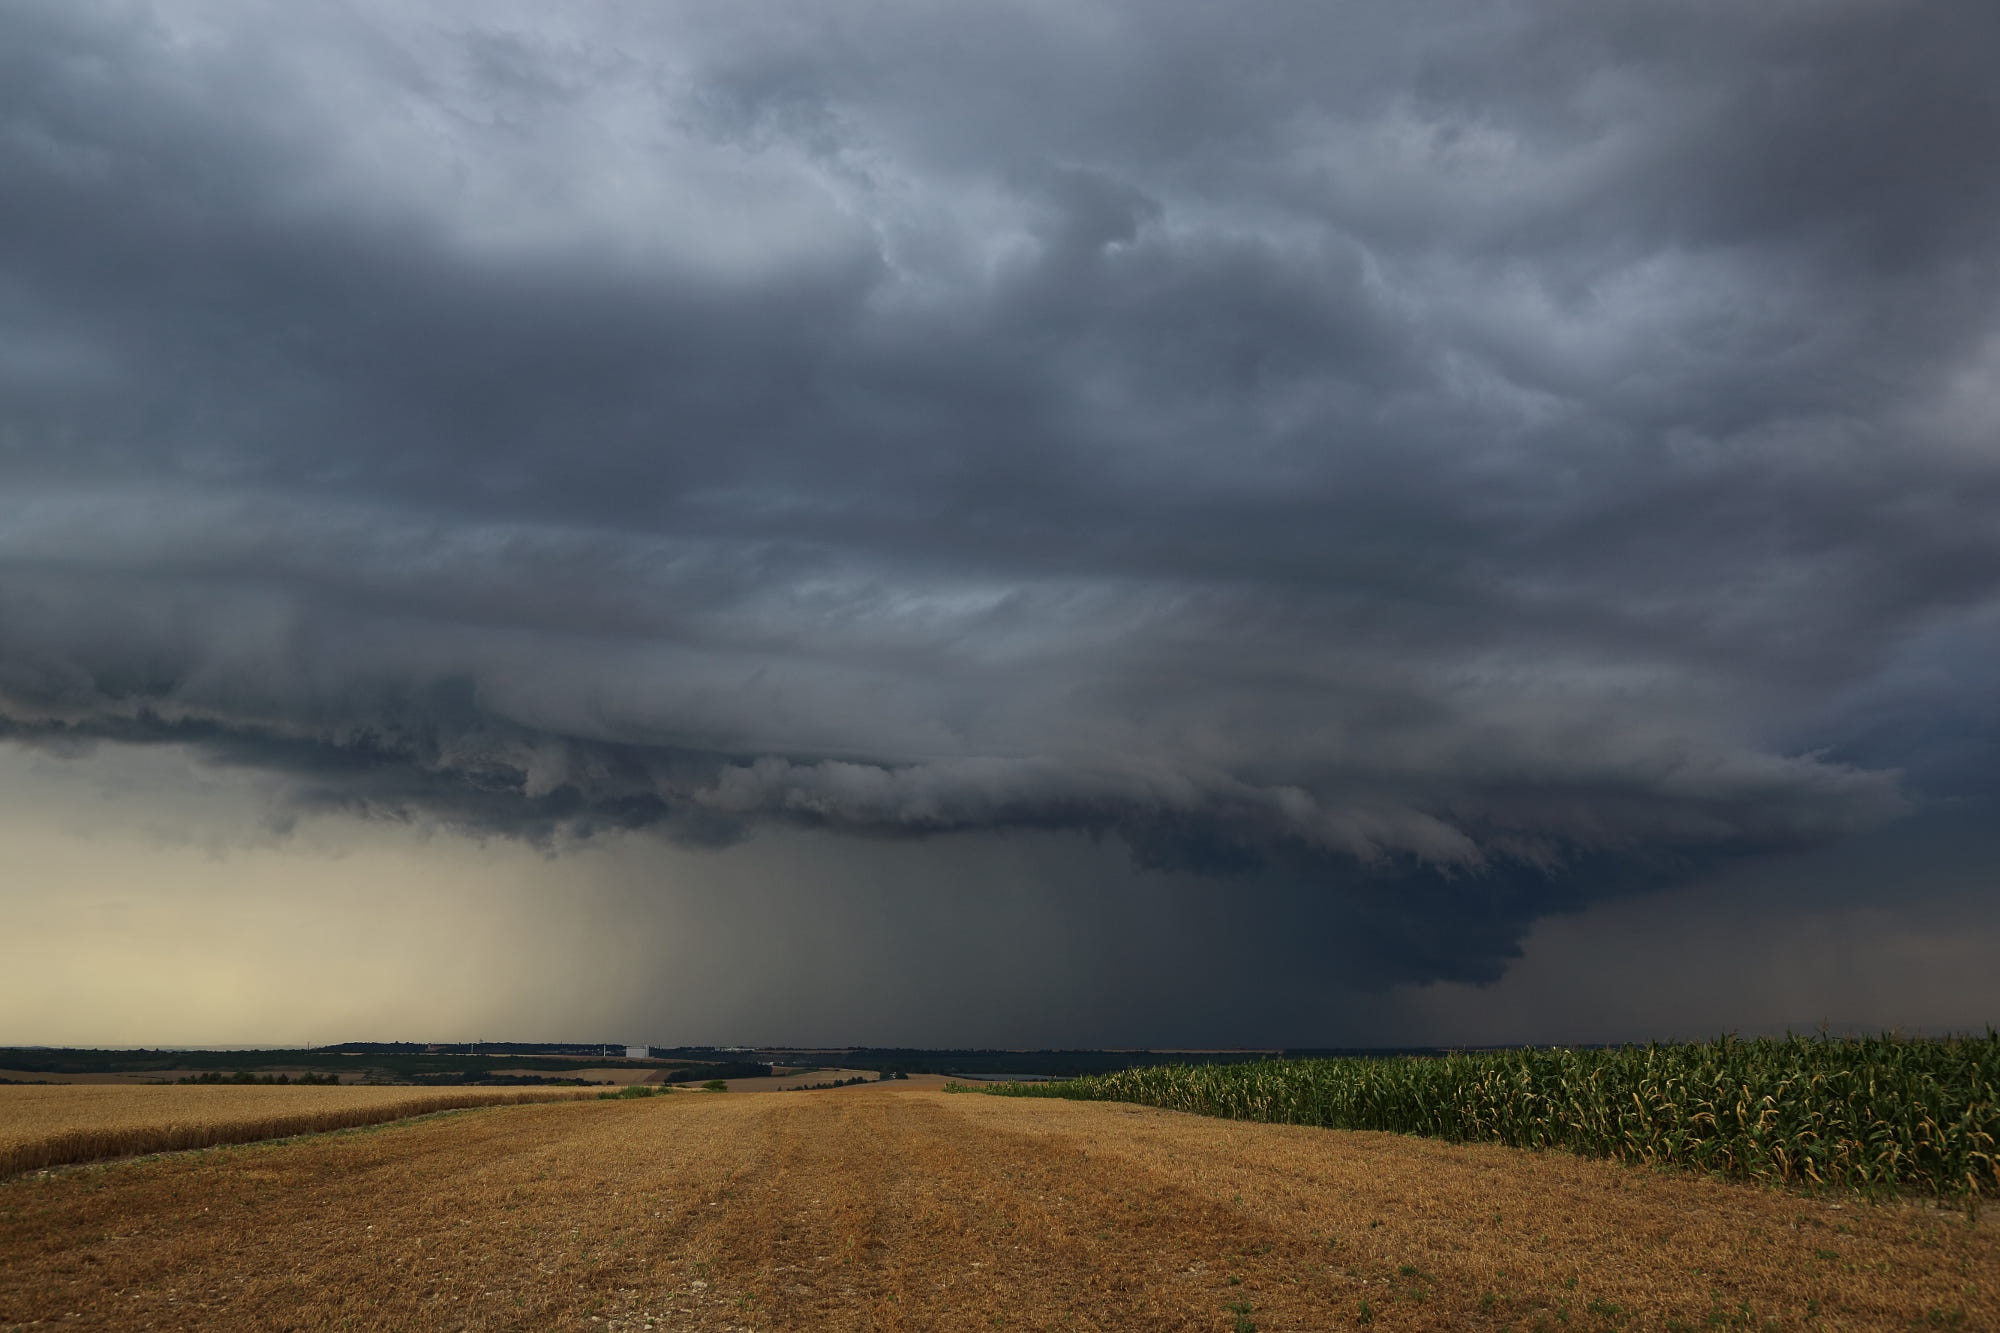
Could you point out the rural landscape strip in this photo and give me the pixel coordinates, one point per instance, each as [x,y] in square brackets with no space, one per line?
[873,1208]
[216,1121]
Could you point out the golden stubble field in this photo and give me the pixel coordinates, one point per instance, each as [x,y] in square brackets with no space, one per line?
[913,1209]
[55,1124]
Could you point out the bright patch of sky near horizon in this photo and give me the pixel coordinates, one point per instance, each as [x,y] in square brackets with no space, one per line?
[206,914]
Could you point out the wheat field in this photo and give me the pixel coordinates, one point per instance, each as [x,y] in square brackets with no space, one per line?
[44,1125]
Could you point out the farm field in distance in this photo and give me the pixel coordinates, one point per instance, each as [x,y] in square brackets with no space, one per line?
[897,1206]
[61,1124]
[501,1063]
[459,1064]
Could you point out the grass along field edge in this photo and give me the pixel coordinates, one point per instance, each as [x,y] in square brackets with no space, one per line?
[1872,1114]
[69,1147]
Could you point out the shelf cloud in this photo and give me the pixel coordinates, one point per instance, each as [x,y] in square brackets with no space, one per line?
[1460,462]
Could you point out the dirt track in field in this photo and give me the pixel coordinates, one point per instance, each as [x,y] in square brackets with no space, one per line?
[872,1208]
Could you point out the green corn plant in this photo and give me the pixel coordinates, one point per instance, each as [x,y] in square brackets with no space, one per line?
[1873,1113]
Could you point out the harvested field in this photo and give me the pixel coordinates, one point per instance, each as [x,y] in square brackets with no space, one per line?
[880,1208]
[57,1124]
[146,1077]
[820,1079]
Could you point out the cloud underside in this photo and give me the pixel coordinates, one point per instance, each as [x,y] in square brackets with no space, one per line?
[1447,452]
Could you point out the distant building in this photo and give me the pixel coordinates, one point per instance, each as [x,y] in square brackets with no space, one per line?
[638,1052]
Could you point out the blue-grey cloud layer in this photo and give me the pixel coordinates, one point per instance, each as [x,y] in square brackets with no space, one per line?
[1454,461]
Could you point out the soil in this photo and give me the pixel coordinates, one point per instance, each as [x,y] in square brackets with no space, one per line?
[896,1207]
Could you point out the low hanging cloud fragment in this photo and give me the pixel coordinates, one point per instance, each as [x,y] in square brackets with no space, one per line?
[440,753]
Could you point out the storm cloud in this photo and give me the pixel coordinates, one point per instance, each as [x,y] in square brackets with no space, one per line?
[1437,464]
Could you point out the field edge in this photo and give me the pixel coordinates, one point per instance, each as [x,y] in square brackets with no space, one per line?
[80,1147]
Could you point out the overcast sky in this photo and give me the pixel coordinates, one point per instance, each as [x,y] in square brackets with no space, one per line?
[1052,523]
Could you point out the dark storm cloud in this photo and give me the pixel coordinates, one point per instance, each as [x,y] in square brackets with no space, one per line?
[1459,461]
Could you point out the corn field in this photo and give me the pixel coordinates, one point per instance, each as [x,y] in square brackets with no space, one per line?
[1876,1113]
